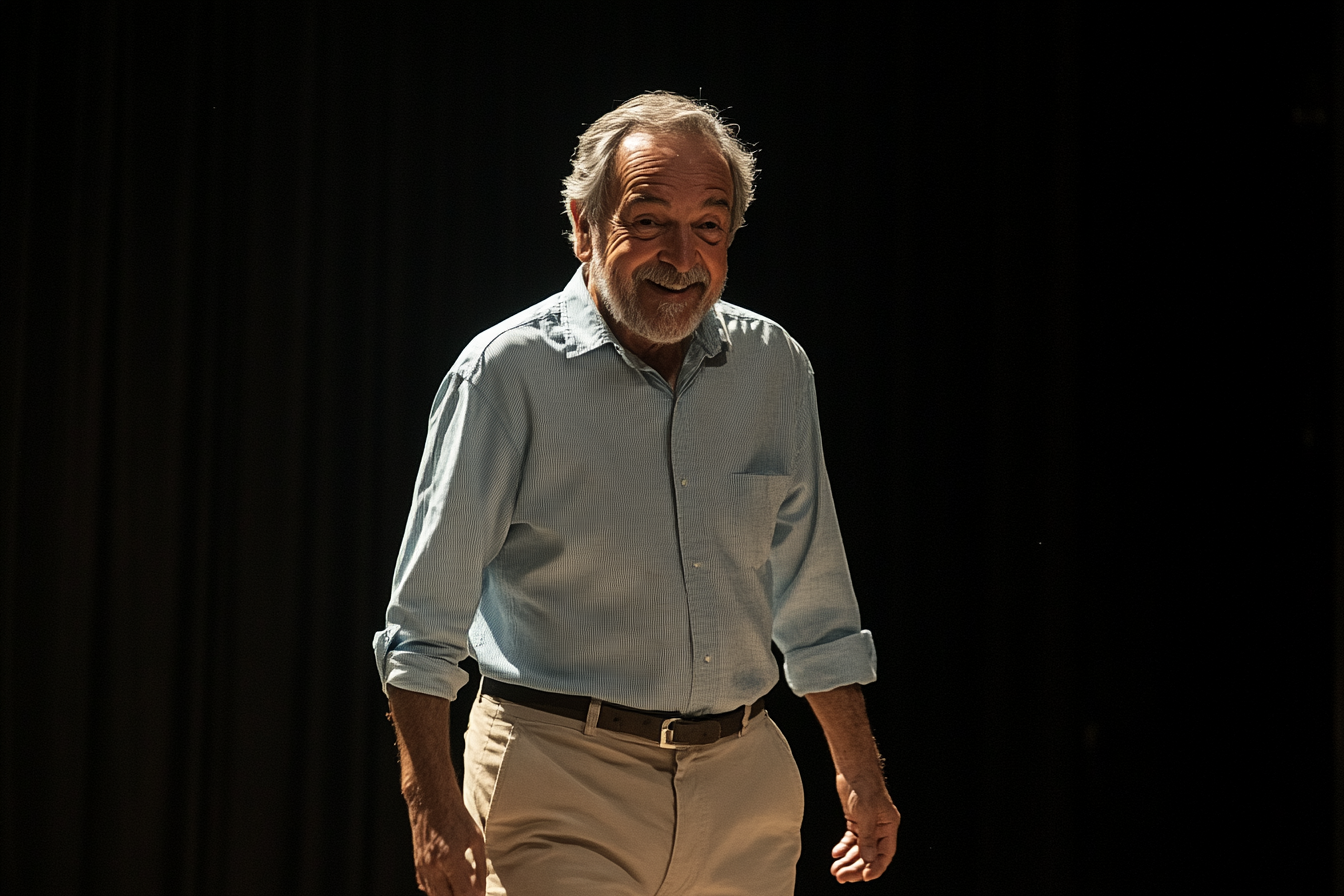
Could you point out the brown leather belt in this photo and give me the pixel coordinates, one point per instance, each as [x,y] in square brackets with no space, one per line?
[666,730]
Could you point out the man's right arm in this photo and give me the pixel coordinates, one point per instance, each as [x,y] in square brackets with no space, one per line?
[442,831]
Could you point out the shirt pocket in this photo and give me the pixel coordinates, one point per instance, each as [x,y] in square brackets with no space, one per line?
[749,524]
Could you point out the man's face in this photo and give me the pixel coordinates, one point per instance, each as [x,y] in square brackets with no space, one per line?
[661,262]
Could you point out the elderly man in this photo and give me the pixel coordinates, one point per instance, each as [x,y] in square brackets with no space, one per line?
[622,501]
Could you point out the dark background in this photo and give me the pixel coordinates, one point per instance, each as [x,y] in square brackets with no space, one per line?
[1068,277]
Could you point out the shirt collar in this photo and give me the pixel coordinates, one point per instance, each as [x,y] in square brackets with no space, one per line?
[585,329]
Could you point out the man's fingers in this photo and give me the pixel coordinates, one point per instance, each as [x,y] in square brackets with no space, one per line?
[847,869]
[848,864]
[455,875]
[434,882]
[476,855]
[461,883]
[843,846]
[863,854]
[853,866]
[845,854]
[861,821]
[467,877]
[875,850]
[880,856]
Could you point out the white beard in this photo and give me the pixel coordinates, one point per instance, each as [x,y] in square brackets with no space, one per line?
[671,321]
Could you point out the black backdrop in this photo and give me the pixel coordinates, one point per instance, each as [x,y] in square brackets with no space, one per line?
[1067,276]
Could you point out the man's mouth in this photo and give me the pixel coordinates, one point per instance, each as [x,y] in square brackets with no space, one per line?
[667,282]
[669,289]
[674,292]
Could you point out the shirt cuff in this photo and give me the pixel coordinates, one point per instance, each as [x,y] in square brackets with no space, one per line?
[825,667]
[411,671]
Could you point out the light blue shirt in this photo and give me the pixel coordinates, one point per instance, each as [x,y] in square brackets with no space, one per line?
[579,527]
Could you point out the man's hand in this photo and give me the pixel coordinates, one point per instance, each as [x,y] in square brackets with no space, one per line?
[449,848]
[871,819]
[869,843]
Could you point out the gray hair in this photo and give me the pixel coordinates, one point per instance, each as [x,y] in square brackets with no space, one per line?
[656,112]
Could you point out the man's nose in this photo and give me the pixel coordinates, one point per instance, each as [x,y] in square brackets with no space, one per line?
[679,249]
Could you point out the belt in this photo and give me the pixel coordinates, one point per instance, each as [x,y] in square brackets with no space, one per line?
[665,730]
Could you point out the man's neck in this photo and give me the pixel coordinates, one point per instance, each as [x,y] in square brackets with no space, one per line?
[664,357]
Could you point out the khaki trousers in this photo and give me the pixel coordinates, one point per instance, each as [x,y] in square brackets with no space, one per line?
[609,814]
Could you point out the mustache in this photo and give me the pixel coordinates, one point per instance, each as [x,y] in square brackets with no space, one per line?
[669,277]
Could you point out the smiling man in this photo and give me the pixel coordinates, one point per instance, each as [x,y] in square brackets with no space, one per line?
[622,503]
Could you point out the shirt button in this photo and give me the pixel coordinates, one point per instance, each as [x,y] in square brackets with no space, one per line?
[683,482]
[707,658]
[696,565]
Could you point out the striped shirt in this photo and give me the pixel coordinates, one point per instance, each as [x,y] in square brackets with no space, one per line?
[579,527]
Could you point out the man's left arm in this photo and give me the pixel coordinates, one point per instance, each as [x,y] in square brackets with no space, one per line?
[827,652]
[871,819]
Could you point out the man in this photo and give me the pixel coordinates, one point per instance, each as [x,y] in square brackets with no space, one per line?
[622,501]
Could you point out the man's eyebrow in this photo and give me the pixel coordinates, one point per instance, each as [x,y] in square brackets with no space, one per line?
[716,202]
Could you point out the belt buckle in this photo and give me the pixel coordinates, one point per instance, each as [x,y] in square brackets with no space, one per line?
[666,735]
[699,732]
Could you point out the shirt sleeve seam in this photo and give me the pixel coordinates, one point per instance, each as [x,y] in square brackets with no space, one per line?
[499,419]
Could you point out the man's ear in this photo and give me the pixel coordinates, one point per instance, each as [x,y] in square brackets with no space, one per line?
[583,235]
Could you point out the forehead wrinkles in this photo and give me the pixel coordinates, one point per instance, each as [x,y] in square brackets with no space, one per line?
[671,162]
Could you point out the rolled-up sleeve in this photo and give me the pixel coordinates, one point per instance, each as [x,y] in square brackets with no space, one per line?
[458,521]
[816,614]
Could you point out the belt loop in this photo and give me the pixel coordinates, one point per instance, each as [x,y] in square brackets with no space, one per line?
[746,717]
[590,725]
